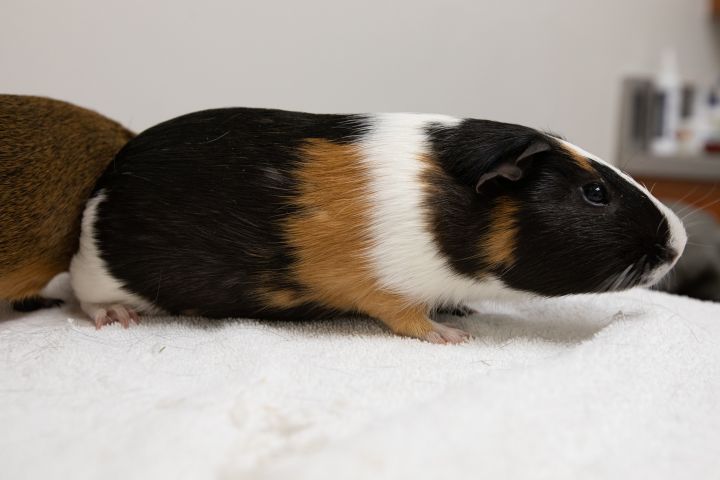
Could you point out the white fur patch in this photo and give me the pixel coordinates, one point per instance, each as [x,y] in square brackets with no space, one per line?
[405,255]
[678,235]
[91,281]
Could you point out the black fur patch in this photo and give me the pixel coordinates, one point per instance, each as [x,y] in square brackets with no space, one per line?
[564,245]
[193,209]
[460,215]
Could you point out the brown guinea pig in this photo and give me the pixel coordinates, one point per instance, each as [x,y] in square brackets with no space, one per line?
[51,154]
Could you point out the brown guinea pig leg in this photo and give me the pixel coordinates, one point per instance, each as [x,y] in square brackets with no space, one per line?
[409,319]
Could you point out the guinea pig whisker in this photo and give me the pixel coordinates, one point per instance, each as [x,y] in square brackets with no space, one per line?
[699,208]
[689,214]
[639,268]
[709,204]
[663,282]
[507,269]
[616,283]
[670,279]
[693,190]
[628,278]
[601,287]
[648,189]
[694,223]
[701,199]
[605,285]
[646,267]
[621,277]
[696,244]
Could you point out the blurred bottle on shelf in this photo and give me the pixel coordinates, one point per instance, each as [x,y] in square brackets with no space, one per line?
[691,134]
[684,119]
[712,142]
[667,99]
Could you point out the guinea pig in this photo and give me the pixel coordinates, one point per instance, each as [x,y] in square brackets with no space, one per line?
[51,155]
[271,214]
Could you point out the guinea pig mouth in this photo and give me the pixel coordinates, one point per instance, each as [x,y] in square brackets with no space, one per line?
[646,271]
[658,264]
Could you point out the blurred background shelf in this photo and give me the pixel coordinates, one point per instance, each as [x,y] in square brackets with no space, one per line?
[694,179]
[701,168]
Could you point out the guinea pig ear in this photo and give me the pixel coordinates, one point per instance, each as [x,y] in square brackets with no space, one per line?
[511,167]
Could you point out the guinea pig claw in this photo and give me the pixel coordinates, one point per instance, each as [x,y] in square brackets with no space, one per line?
[134,316]
[101,319]
[443,334]
[120,315]
[115,313]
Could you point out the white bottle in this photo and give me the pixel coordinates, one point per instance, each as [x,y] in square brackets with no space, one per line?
[668,98]
[694,131]
[713,118]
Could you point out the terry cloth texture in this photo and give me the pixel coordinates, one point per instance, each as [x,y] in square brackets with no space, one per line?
[609,386]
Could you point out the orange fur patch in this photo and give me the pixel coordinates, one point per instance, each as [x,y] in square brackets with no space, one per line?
[582,162]
[282,298]
[28,280]
[332,240]
[499,244]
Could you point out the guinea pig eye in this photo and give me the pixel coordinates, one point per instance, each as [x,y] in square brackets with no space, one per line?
[595,193]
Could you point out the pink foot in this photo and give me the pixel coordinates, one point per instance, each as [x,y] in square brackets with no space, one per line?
[444,334]
[114,313]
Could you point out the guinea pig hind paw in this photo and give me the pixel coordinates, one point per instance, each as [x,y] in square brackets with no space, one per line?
[106,314]
[444,334]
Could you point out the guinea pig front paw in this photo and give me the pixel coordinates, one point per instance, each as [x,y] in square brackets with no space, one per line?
[106,314]
[444,334]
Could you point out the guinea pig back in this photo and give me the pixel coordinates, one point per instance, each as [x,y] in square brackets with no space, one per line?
[271,214]
[51,154]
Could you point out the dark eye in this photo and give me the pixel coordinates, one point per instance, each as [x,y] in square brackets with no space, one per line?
[596,194]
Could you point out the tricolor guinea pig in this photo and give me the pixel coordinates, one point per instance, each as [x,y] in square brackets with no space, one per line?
[51,155]
[271,214]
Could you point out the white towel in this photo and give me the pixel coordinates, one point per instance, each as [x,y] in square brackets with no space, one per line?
[600,386]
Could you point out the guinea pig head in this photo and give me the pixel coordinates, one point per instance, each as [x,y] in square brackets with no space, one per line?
[562,221]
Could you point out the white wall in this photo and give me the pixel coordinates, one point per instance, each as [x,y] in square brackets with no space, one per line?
[554,64]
